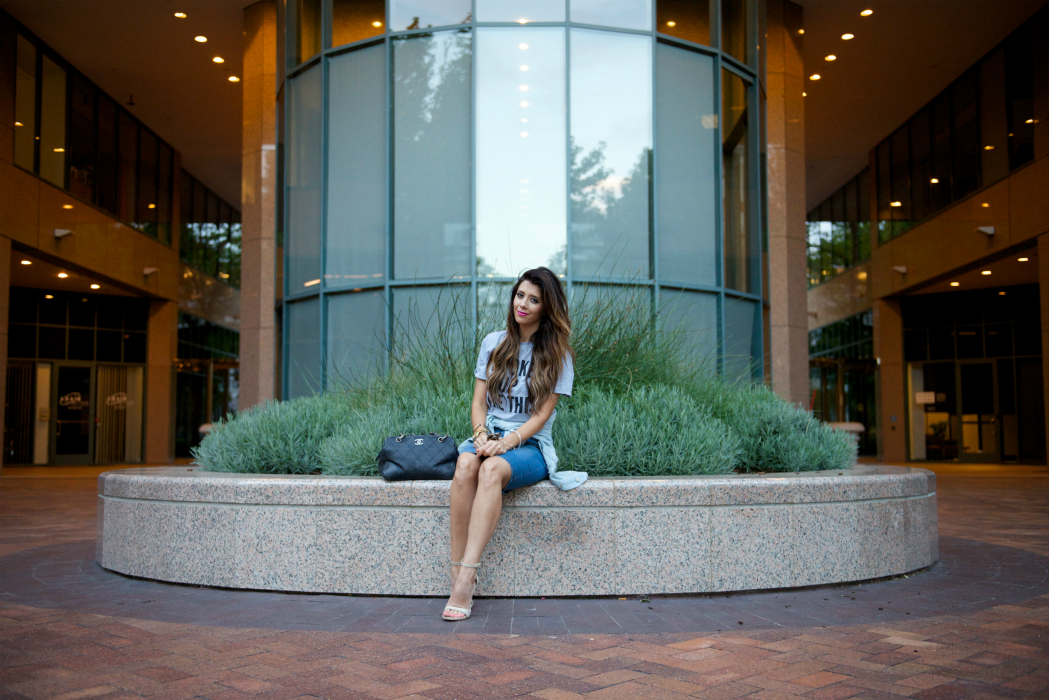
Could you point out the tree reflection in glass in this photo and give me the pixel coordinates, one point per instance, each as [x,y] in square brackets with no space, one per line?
[420,14]
[431,155]
[611,154]
[521,213]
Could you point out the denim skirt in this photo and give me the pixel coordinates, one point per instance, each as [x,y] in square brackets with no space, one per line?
[527,465]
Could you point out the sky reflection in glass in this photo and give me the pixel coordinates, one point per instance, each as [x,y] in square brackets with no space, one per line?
[522,11]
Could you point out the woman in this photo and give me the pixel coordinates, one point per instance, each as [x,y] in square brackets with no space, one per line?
[520,374]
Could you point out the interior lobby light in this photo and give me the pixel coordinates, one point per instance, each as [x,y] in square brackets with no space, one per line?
[1029,121]
[935,181]
[671,23]
[234,79]
[814,76]
[62,275]
[49,296]
[804,94]
[846,37]
[866,13]
[1001,294]
[895,204]
[523,20]
[29,262]
[201,39]
[219,59]
[985,272]
[20,123]
[988,148]
[523,88]
[376,23]
[522,46]
[60,150]
[151,206]
[524,104]
[1018,260]
[801,31]
[955,284]
[524,134]
[96,286]
[986,205]
[524,68]
[67,206]
[832,57]
[180,15]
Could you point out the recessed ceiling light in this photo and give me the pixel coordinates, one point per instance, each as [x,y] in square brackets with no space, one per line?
[804,94]
[955,284]
[1018,260]
[1029,121]
[523,88]
[985,204]
[234,79]
[846,37]
[20,123]
[67,206]
[524,104]
[180,15]
[60,150]
[376,23]
[935,181]
[62,275]
[985,272]
[671,23]
[1001,294]
[832,57]
[522,21]
[801,31]
[49,296]
[524,68]
[524,134]
[218,59]
[96,286]
[866,13]
[522,46]
[152,206]
[29,262]
[895,204]
[200,39]
[988,148]
[814,76]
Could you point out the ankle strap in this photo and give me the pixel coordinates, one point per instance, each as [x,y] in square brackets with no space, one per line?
[456,563]
[471,566]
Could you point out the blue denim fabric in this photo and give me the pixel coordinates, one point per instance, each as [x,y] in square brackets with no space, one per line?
[562,480]
[527,465]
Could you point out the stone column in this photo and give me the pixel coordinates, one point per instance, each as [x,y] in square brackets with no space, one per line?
[785,77]
[5,294]
[161,346]
[1043,293]
[888,348]
[258,205]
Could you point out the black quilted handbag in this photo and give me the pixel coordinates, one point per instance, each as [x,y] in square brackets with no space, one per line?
[418,457]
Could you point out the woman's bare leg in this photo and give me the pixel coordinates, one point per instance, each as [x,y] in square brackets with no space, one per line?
[492,477]
[464,486]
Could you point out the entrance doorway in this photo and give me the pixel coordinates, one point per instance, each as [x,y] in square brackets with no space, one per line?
[979,413]
[72,438]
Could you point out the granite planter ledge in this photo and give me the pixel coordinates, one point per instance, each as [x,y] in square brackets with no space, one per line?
[611,536]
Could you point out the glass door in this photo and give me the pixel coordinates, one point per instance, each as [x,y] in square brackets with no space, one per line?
[979,412]
[72,409]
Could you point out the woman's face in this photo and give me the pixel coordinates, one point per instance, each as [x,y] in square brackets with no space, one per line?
[528,304]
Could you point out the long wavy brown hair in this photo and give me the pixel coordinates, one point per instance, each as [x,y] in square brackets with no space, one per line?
[550,343]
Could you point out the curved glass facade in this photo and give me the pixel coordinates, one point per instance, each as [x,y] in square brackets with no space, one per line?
[457,143]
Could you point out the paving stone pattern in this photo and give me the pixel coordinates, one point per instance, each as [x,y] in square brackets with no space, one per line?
[978,626]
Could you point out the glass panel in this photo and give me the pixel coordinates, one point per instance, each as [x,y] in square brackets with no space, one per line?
[431,145]
[849,192]
[966,142]
[940,176]
[106,180]
[826,242]
[165,172]
[307,41]
[739,338]
[921,165]
[812,230]
[147,183]
[685,19]
[82,140]
[686,130]
[611,151]
[695,316]
[884,185]
[630,14]
[735,190]
[520,11]
[842,246]
[53,123]
[420,312]
[353,20]
[25,104]
[128,161]
[994,126]
[73,414]
[303,183]
[304,346]
[357,167]
[418,14]
[1019,91]
[521,216]
[734,34]
[356,336]
[901,181]
[863,223]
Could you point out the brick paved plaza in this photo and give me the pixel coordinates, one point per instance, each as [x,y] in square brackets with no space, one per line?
[975,625]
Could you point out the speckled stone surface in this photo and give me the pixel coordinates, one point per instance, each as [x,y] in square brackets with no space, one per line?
[610,536]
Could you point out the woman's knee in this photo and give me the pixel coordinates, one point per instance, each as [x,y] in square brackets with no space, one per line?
[467,466]
[494,471]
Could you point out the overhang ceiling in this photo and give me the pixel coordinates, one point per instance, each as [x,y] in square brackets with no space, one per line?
[902,56]
[139,47]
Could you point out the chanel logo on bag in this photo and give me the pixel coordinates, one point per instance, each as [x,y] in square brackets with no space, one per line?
[418,441]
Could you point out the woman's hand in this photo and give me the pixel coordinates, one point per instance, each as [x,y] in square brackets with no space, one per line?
[492,448]
[480,441]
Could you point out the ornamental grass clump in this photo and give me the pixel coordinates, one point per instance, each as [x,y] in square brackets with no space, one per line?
[641,405]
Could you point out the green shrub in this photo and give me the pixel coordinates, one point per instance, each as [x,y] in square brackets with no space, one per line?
[640,407]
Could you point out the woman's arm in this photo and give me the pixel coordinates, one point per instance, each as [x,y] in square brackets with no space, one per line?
[479,412]
[532,426]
